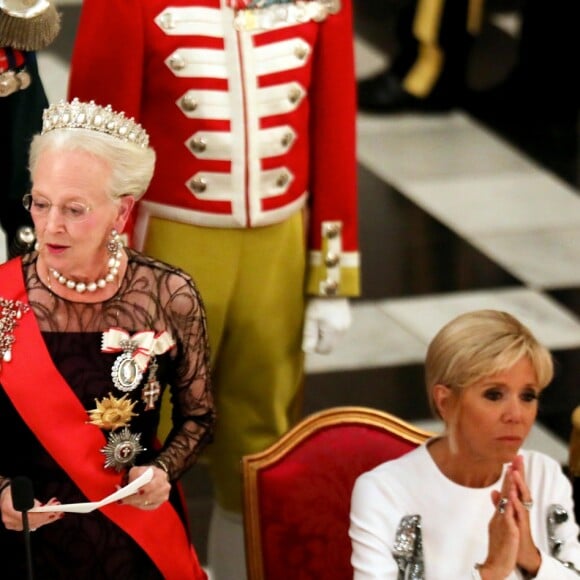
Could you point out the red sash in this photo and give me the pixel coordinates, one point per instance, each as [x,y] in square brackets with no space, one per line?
[55,415]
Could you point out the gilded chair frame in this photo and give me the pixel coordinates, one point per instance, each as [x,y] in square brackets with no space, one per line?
[254,463]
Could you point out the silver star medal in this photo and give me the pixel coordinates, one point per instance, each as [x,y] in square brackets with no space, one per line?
[125,373]
[121,449]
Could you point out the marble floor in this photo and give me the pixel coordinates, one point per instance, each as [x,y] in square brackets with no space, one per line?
[455,214]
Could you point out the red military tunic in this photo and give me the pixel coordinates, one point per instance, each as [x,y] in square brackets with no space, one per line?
[252,114]
[261,112]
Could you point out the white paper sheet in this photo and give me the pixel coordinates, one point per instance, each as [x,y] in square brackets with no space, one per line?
[85,508]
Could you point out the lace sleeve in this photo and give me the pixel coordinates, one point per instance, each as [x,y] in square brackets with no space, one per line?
[152,295]
[193,409]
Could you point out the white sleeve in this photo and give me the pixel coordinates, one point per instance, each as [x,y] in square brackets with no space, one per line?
[567,532]
[372,532]
[552,568]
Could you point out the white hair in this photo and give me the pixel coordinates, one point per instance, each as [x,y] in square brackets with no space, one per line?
[131,165]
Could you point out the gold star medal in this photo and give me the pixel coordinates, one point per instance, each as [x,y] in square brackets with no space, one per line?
[112,413]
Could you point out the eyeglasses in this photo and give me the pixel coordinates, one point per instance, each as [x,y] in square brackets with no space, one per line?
[73,211]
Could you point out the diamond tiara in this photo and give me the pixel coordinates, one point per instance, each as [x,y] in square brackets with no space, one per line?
[93,117]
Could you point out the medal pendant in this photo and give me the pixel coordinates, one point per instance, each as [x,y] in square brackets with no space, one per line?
[151,393]
[125,373]
[8,83]
[152,388]
[24,78]
[121,449]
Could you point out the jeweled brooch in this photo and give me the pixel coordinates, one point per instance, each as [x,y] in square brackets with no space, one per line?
[136,352]
[10,312]
[125,373]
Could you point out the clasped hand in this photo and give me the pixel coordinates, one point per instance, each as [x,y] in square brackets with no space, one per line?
[510,539]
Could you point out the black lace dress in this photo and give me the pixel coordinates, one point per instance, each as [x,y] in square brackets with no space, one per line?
[151,296]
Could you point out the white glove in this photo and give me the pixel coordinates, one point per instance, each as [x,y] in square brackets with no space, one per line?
[326,320]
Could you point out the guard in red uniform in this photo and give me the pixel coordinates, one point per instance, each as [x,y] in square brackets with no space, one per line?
[250,106]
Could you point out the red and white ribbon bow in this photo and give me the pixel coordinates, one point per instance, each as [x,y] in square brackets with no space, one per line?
[147,343]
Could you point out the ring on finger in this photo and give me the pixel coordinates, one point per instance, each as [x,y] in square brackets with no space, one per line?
[502,505]
[528,504]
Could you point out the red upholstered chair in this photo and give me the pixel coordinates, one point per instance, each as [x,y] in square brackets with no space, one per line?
[297,492]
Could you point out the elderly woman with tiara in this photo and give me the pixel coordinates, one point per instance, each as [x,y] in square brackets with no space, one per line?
[91,333]
[471,504]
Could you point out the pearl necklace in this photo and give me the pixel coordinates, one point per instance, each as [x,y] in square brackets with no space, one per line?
[116,249]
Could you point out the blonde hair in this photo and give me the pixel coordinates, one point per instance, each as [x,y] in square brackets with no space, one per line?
[482,343]
[132,166]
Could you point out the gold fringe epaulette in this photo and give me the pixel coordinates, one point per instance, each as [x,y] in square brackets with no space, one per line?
[29,33]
